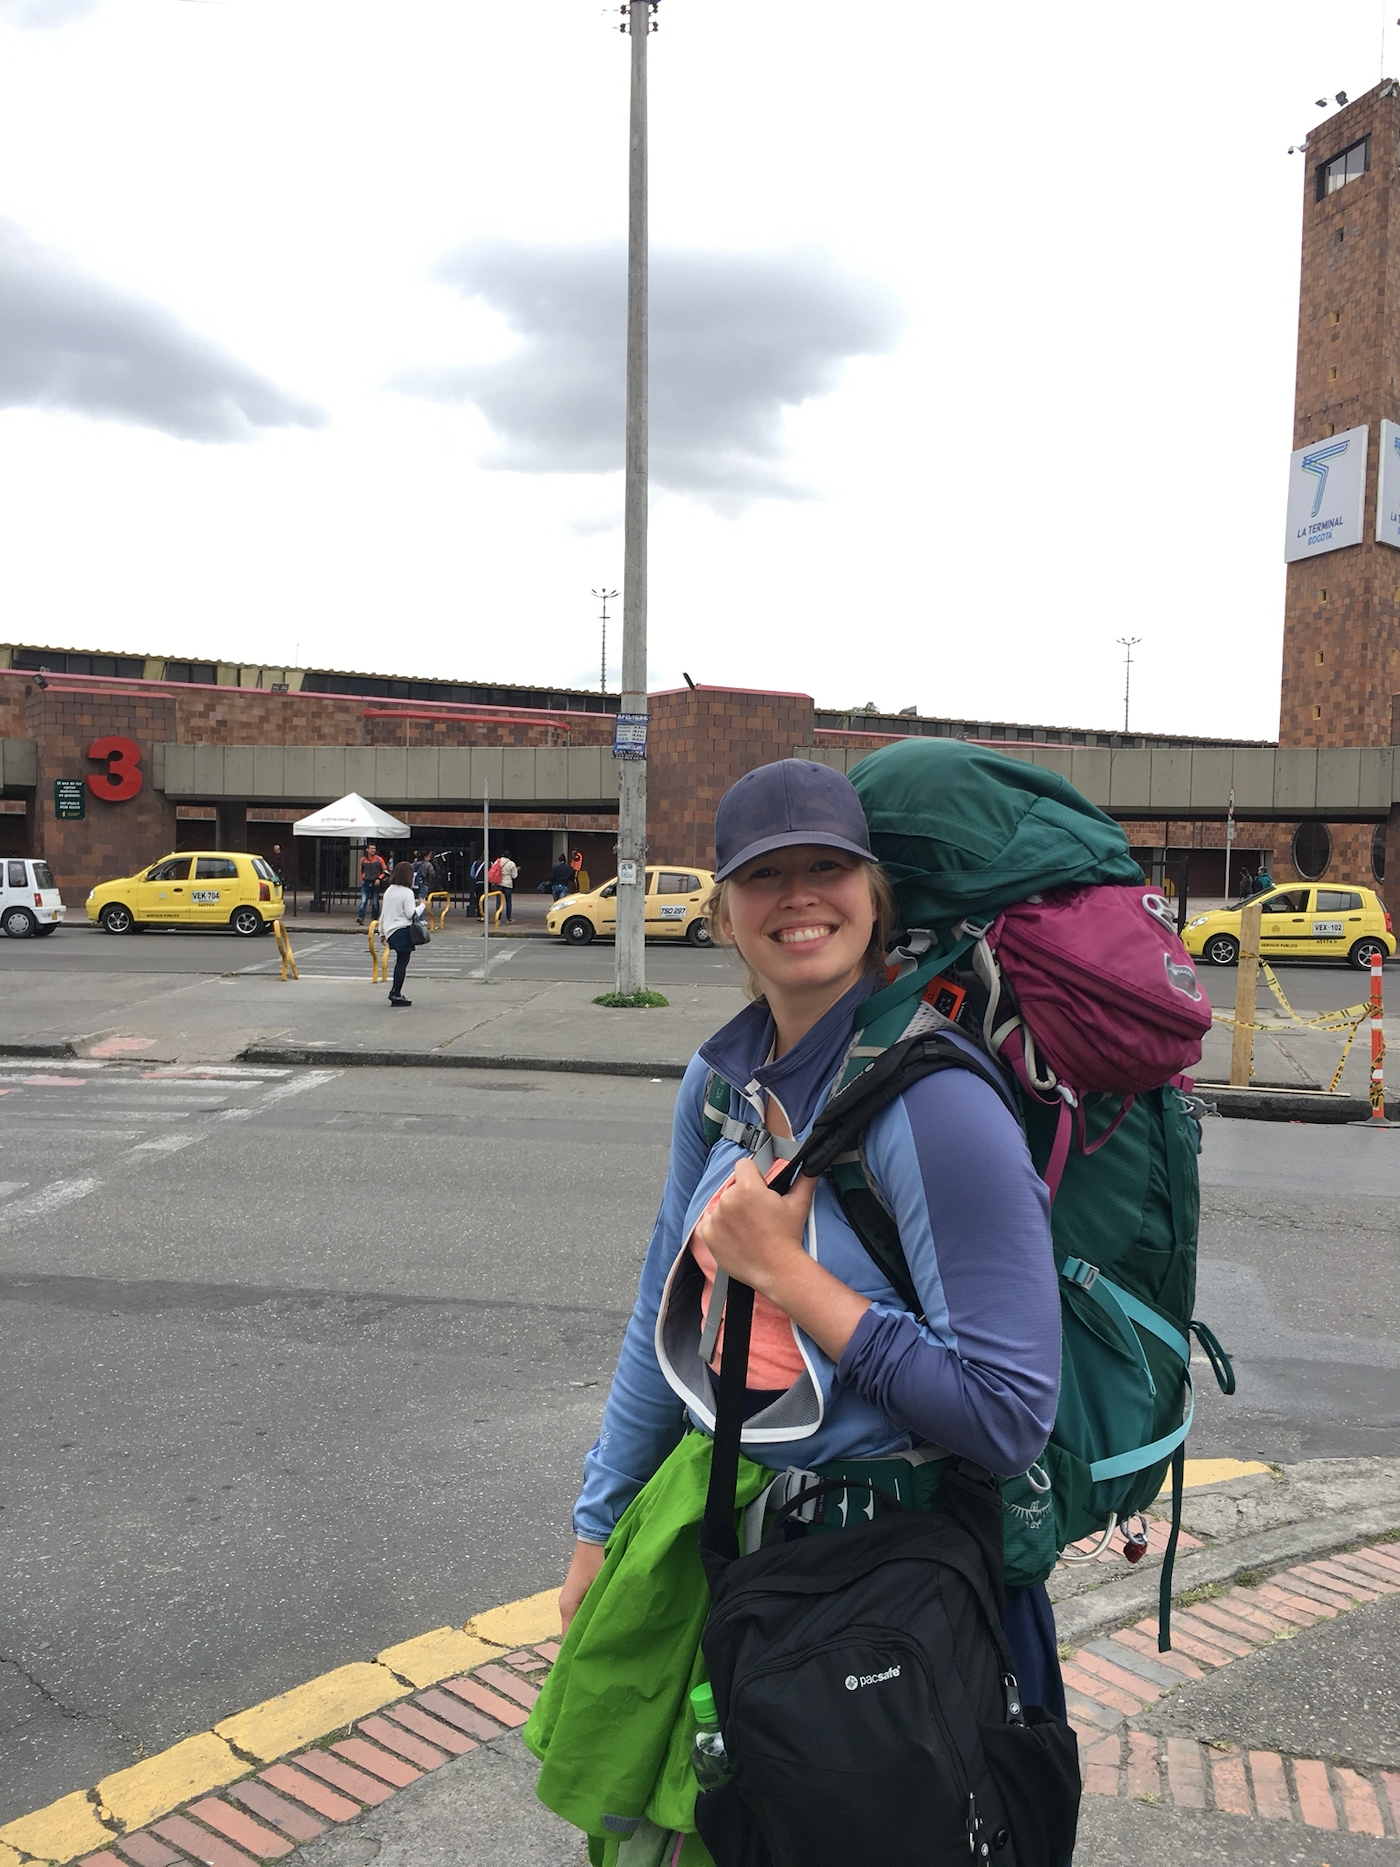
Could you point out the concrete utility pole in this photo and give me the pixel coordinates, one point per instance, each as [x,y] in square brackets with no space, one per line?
[630,734]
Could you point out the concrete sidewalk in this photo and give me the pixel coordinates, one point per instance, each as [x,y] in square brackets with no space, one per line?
[333,1012]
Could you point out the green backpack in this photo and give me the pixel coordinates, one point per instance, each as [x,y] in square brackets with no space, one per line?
[962,833]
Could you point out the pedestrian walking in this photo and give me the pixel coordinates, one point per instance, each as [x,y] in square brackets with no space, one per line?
[509,871]
[844,1378]
[1265,881]
[373,869]
[277,863]
[580,873]
[424,875]
[396,921]
[561,878]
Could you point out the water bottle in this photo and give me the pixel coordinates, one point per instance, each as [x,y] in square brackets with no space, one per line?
[707,1754]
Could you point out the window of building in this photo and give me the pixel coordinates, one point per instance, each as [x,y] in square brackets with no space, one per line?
[1349,166]
[200,673]
[1378,852]
[1317,657]
[1312,849]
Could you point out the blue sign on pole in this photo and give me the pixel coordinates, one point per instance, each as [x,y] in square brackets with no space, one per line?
[630,735]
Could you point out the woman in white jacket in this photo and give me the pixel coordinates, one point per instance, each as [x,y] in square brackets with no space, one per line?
[397,913]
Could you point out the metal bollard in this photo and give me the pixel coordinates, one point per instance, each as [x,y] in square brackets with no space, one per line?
[492,894]
[438,894]
[379,962]
[284,947]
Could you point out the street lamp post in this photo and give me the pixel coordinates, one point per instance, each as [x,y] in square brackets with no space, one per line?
[630,736]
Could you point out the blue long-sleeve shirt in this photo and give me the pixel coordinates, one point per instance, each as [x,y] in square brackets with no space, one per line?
[979,1375]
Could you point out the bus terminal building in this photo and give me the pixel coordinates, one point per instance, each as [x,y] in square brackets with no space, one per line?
[159,758]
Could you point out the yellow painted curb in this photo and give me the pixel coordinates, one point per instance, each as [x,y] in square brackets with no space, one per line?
[520,1623]
[158,1784]
[309,1711]
[434,1656]
[60,1832]
[1214,1471]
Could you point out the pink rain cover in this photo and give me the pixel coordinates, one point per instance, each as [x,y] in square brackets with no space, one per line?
[1107,989]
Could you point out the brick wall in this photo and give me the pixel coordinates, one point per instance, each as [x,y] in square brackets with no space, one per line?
[113,838]
[1341,641]
[699,741]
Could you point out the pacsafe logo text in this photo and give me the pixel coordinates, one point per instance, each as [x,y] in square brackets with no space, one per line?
[854,1683]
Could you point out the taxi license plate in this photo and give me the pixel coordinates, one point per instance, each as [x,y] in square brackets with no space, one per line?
[206,897]
[1328,930]
[672,914]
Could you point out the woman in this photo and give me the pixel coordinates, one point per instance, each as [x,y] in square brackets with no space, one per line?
[839,1370]
[397,913]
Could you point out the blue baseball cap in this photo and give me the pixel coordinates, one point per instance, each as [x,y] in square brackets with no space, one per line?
[784,805]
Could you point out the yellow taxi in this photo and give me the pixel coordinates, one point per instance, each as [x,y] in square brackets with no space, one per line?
[1300,922]
[674,899]
[198,888]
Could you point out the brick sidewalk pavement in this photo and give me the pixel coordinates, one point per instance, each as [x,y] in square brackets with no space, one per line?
[1111,1683]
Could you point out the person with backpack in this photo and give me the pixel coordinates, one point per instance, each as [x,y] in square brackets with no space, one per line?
[506,871]
[851,1401]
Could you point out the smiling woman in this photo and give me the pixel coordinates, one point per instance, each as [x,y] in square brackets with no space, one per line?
[844,1385]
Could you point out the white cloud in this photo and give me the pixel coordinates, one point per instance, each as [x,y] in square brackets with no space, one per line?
[69,340]
[736,341]
[45,14]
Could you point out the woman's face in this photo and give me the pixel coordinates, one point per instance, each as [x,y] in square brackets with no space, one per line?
[801,917]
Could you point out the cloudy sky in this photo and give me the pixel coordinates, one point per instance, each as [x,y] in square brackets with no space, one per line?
[973,340]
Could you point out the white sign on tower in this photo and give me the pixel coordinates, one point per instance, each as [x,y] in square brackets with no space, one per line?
[1326,494]
[1388,486]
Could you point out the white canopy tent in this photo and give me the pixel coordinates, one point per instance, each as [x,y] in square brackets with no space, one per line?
[351,819]
[354,818]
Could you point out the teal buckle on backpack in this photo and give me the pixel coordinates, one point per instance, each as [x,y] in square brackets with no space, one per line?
[1076,1271]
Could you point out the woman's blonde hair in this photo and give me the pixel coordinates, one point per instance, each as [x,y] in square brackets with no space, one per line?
[715,912]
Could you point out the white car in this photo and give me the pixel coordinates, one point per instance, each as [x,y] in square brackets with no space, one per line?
[29,902]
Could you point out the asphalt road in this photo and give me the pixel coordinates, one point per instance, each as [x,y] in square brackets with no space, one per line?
[294,1366]
[297,1364]
[191,953]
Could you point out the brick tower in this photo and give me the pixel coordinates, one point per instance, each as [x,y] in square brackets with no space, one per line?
[1341,636]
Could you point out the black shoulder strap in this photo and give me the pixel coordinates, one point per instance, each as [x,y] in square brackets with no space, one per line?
[837,1129]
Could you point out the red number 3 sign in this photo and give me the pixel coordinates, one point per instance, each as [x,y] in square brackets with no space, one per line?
[123,776]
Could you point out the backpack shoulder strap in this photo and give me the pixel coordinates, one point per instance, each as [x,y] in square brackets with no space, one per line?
[716,1121]
[834,1144]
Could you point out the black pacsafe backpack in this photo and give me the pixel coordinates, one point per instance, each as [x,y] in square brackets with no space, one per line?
[863,1681]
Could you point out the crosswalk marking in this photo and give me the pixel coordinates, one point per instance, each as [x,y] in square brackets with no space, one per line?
[48,1199]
